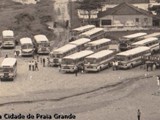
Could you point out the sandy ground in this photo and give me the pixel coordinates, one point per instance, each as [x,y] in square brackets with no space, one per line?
[90,96]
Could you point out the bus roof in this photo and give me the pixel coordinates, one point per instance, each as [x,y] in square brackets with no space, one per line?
[84,27]
[100,41]
[135,35]
[41,38]
[145,41]
[152,35]
[64,48]
[26,40]
[80,41]
[8,33]
[134,51]
[100,54]
[92,31]
[79,54]
[8,62]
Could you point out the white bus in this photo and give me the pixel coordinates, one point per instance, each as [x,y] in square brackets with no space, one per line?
[93,34]
[80,43]
[8,40]
[132,57]
[126,41]
[99,61]
[42,44]
[152,42]
[27,47]
[8,69]
[155,34]
[79,30]
[98,45]
[56,55]
[72,62]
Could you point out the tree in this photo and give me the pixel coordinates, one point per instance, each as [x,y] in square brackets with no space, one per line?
[89,6]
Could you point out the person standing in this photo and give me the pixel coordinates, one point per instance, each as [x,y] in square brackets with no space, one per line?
[30,64]
[36,66]
[37,58]
[113,65]
[158,81]
[76,70]
[6,56]
[116,65]
[33,66]
[43,62]
[15,54]
[139,114]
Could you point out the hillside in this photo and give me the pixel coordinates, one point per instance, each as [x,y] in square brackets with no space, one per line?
[26,20]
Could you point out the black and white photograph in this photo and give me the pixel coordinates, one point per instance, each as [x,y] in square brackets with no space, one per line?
[79,59]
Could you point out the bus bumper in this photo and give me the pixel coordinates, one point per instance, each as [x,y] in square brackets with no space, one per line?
[8,45]
[8,78]
[67,70]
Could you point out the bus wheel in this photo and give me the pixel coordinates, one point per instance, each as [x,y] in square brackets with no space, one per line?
[131,66]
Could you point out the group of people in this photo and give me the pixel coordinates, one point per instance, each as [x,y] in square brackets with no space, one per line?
[33,64]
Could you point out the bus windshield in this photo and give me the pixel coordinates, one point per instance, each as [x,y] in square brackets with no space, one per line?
[8,38]
[27,46]
[68,61]
[90,61]
[44,44]
[5,69]
[121,58]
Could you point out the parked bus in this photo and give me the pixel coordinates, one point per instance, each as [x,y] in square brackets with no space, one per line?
[42,44]
[72,62]
[81,43]
[98,45]
[156,34]
[27,47]
[8,40]
[99,61]
[79,30]
[8,69]
[93,34]
[126,41]
[56,55]
[132,57]
[152,42]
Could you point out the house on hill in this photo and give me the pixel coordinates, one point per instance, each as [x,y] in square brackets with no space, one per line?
[125,15]
[128,1]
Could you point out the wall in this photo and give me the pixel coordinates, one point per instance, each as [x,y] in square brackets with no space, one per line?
[127,20]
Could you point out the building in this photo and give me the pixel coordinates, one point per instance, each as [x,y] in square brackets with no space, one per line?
[125,15]
[27,1]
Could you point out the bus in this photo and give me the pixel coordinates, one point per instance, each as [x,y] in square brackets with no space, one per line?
[8,40]
[79,30]
[152,42]
[42,44]
[56,55]
[72,62]
[98,45]
[93,34]
[99,61]
[126,41]
[132,57]
[27,47]
[155,34]
[80,43]
[8,69]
